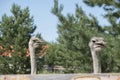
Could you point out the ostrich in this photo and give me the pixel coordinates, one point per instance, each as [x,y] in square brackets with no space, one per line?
[33,44]
[96,44]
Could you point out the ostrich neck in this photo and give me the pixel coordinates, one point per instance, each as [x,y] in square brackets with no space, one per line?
[96,62]
[33,60]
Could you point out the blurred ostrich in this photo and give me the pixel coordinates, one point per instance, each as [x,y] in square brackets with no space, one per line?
[96,44]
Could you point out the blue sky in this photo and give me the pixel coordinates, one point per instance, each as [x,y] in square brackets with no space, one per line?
[45,21]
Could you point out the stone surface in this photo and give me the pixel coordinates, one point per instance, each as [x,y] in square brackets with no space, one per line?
[62,77]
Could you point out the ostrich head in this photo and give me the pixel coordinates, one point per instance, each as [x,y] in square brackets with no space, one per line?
[34,42]
[97,43]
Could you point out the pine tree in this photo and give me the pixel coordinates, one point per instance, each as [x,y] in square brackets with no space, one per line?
[75,31]
[110,58]
[15,32]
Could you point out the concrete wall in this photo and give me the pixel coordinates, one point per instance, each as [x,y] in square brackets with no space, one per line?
[62,77]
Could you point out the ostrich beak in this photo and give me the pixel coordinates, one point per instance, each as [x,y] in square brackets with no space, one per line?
[104,43]
[41,41]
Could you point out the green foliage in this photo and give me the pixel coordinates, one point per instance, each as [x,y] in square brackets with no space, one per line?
[110,60]
[15,31]
[71,49]
[74,30]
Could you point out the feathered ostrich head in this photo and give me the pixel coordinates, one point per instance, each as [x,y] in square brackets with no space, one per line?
[97,43]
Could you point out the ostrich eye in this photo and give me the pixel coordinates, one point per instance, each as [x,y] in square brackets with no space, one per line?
[34,40]
[93,41]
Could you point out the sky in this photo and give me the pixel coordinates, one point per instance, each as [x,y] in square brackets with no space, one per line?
[45,21]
